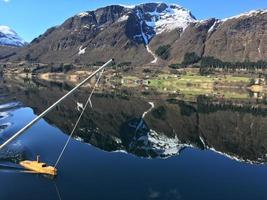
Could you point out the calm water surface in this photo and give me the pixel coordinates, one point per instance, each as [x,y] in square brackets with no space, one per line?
[131,146]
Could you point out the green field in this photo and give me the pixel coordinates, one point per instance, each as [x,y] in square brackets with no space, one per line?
[197,79]
[192,84]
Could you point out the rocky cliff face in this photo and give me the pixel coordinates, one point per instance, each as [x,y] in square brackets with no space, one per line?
[239,38]
[133,34]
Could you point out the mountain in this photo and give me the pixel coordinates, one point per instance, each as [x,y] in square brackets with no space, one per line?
[113,31]
[134,34]
[9,37]
[239,38]
[153,19]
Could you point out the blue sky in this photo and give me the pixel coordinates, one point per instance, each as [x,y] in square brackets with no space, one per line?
[30,18]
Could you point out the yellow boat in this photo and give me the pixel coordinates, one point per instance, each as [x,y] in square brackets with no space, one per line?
[39,167]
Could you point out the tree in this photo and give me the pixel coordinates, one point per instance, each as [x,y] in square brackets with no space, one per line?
[190,58]
[175,66]
[163,51]
[211,62]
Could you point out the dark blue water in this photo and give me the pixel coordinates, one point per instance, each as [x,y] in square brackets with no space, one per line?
[87,172]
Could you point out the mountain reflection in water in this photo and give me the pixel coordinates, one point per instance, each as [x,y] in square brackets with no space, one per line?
[116,123]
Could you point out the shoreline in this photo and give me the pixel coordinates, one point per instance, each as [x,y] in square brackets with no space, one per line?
[187,82]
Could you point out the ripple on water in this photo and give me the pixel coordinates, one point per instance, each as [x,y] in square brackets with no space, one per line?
[8,106]
[4,115]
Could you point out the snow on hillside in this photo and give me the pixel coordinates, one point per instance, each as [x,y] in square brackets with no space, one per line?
[8,37]
[146,37]
[158,20]
[123,18]
[82,14]
[81,50]
[171,18]
[251,13]
[247,14]
[214,26]
[153,54]
[6,30]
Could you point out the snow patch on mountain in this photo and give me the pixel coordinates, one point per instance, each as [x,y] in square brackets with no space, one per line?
[247,14]
[153,54]
[127,6]
[82,14]
[144,35]
[9,37]
[171,18]
[214,26]
[155,19]
[81,50]
[6,30]
[123,18]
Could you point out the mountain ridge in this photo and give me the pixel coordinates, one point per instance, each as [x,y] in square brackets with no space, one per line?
[134,33]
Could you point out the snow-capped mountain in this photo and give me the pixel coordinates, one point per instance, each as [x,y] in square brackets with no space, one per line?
[156,18]
[133,34]
[9,37]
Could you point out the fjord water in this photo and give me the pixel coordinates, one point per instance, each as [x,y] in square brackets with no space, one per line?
[170,154]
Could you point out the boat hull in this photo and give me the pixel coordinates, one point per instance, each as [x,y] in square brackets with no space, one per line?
[38,167]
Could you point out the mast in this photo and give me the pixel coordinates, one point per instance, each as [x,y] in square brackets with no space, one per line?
[52,106]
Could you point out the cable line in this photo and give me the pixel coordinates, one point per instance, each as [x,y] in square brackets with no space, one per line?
[79,118]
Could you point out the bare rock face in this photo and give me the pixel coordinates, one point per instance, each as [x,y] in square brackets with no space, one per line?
[240,38]
[192,40]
